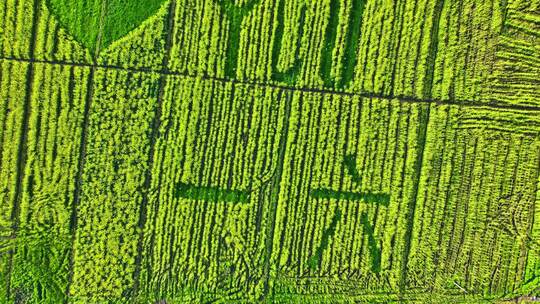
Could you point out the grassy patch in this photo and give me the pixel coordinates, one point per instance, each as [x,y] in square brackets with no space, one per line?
[83,18]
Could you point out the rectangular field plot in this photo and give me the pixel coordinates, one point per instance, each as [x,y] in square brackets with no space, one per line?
[216,155]
[40,140]
[13,98]
[514,79]
[118,140]
[475,212]
[380,206]
[188,190]
[13,95]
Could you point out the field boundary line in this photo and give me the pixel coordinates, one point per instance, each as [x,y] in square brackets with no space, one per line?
[400,98]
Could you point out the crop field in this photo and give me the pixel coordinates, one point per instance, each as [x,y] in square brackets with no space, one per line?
[269,151]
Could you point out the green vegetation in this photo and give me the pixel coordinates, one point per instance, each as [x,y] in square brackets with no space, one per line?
[41,272]
[276,151]
[350,163]
[352,38]
[289,76]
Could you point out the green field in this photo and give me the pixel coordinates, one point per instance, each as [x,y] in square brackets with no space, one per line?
[269,151]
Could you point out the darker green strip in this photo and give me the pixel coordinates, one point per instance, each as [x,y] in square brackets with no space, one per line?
[368,197]
[353,37]
[315,261]
[289,76]
[329,44]
[210,194]
[374,251]
[350,164]
[235,14]
[433,49]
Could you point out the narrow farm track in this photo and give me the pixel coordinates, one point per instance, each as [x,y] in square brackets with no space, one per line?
[421,144]
[405,99]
